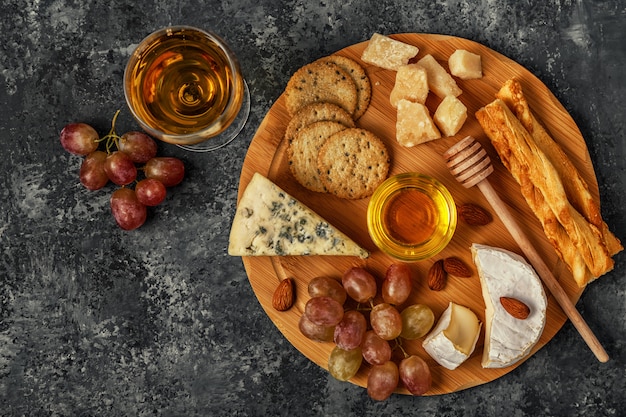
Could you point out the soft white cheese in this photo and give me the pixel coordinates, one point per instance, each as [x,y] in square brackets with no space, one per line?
[270,222]
[454,338]
[506,274]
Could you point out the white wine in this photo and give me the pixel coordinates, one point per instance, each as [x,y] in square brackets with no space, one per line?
[183,85]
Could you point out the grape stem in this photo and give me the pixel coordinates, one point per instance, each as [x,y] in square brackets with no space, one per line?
[111,138]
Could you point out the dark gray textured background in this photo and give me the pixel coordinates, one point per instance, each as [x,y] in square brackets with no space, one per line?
[96,321]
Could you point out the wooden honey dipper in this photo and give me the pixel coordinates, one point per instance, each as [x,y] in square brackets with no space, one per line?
[470,165]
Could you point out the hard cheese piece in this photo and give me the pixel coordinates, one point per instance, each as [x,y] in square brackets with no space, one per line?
[450,115]
[506,274]
[388,53]
[414,124]
[270,222]
[465,65]
[454,338]
[411,84]
[439,81]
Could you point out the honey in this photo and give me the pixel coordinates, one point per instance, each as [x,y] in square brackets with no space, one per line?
[411,217]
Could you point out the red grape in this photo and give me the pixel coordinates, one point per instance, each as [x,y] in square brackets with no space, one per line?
[415,374]
[350,331]
[128,212]
[314,331]
[329,287]
[382,380]
[386,321]
[169,170]
[139,146]
[92,174]
[376,351]
[323,311]
[150,192]
[397,284]
[79,138]
[120,168]
[359,284]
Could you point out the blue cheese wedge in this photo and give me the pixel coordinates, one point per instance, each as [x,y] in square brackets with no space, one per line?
[270,222]
[506,274]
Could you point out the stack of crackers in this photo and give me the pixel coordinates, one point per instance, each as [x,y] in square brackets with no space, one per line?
[327,152]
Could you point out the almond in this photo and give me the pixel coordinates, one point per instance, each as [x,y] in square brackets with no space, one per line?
[474,215]
[458,268]
[437,276]
[515,307]
[283,295]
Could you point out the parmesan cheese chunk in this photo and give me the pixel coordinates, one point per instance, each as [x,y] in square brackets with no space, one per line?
[440,81]
[465,65]
[411,84]
[388,53]
[450,115]
[414,124]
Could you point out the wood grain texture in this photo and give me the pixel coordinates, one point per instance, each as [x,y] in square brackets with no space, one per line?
[267,155]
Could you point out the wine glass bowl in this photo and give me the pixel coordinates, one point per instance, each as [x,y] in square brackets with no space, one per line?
[184,86]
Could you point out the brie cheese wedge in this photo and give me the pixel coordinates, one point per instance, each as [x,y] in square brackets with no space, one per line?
[270,222]
[454,338]
[506,274]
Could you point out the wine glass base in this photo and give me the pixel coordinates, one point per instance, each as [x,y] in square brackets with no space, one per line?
[231,131]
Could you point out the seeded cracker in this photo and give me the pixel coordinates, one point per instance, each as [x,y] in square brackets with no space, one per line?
[303,151]
[320,81]
[352,163]
[360,78]
[317,112]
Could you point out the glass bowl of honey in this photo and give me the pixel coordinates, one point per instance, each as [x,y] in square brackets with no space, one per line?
[411,217]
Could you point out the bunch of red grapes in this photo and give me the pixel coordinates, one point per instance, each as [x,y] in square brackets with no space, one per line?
[370,331]
[122,161]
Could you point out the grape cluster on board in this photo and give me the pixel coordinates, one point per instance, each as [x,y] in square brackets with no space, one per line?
[127,160]
[369,332]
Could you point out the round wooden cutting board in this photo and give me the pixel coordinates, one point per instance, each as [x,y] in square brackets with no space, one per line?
[267,155]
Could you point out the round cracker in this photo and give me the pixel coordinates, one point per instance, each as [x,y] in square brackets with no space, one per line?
[320,81]
[317,112]
[360,78]
[303,151]
[353,163]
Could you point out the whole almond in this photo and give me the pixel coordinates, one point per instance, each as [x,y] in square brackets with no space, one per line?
[474,215]
[515,307]
[283,295]
[456,267]
[437,276]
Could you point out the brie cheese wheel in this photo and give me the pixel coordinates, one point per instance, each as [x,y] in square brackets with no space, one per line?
[270,222]
[454,338]
[506,274]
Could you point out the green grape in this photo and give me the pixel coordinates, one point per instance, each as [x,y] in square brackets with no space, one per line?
[417,320]
[344,364]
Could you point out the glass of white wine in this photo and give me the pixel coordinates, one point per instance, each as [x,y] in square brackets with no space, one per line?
[184,86]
